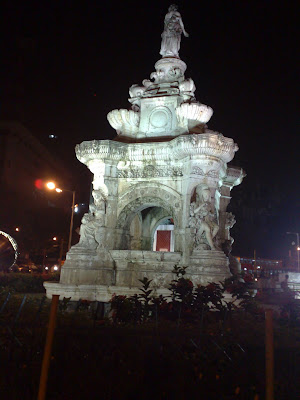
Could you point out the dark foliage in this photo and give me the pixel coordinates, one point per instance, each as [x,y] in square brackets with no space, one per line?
[25,283]
[185,302]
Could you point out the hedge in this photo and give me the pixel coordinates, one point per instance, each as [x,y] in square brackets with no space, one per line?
[25,283]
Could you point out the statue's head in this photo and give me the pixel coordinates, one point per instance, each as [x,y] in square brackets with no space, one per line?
[203,192]
[87,217]
[173,7]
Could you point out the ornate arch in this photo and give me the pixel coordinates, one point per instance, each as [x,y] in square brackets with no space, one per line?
[130,210]
[150,189]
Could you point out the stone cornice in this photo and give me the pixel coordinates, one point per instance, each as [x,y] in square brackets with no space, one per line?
[210,144]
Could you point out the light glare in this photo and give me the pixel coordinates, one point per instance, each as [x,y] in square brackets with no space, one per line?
[50,185]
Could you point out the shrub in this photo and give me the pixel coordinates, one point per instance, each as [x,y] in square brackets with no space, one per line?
[25,283]
[185,302]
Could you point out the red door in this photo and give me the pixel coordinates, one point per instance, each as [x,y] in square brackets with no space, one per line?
[163,240]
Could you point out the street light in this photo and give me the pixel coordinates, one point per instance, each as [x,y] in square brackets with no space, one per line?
[52,186]
[298,247]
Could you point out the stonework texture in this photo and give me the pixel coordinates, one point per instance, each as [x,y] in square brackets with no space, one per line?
[165,167]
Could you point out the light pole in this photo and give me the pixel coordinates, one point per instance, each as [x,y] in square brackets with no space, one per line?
[298,247]
[52,186]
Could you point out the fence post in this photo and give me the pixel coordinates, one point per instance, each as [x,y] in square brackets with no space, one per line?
[269,355]
[48,348]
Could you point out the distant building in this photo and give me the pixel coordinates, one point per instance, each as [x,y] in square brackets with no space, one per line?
[23,159]
[261,265]
[37,212]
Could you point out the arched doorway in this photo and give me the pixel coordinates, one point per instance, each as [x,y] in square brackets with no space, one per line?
[142,224]
[152,228]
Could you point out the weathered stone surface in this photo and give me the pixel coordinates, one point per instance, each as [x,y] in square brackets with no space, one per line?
[166,168]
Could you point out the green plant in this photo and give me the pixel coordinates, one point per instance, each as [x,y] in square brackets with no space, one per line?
[145,297]
[63,304]
[122,309]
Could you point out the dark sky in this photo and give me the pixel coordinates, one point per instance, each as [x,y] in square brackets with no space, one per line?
[67,64]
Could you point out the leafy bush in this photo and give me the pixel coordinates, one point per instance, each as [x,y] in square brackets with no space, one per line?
[185,302]
[25,283]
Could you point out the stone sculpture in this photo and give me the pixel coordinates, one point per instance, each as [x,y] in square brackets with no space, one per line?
[171,36]
[203,219]
[143,180]
[229,222]
[87,232]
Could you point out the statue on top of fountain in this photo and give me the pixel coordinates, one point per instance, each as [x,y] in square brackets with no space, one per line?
[171,36]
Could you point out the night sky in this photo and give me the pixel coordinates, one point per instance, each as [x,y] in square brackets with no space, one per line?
[67,64]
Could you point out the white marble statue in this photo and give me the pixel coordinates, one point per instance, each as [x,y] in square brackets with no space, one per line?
[87,232]
[145,176]
[203,218]
[171,36]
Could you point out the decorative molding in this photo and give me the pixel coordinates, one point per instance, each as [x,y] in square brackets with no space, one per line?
[150,171]
[206,144]
[198,171]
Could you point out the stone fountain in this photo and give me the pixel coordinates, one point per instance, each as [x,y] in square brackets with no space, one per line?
[160,190]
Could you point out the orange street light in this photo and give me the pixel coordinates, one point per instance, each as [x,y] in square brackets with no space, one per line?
[52,186]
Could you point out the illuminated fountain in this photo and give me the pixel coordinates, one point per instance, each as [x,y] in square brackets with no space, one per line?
[160,190]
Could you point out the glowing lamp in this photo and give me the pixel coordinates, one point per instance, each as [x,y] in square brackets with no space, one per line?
[50,185]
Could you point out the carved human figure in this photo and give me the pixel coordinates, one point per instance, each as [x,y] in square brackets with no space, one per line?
[234,264]
[99,214]
[171,36]
[204,215]
[87,232]
[229,222]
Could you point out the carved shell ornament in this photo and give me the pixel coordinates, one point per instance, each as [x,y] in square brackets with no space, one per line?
[124,121]
[193,114]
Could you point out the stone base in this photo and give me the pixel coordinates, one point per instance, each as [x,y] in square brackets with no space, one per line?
[93,292]
[97,276]
[208,266]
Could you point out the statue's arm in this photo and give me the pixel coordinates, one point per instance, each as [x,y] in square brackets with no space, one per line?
[199,208]
[182,27]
